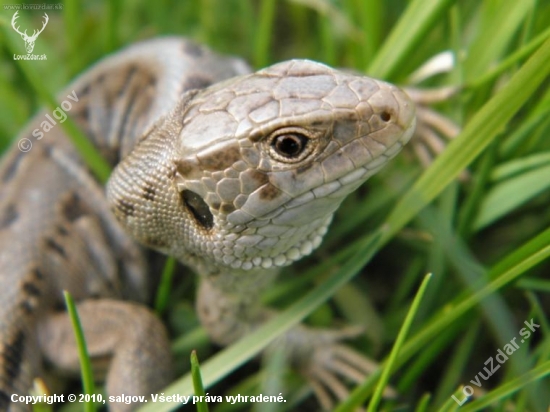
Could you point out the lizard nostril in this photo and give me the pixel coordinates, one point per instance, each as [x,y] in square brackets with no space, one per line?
[198,208]
[385,116]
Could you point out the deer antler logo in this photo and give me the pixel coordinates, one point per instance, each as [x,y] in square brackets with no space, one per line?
[29,40]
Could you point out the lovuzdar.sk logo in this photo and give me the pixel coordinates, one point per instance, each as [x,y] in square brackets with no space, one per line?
[29,40]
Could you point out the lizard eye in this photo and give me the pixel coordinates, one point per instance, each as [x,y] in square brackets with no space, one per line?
[290,146]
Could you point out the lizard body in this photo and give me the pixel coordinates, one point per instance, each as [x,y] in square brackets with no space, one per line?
[235,176]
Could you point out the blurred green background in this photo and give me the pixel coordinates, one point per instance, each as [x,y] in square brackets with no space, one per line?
[478,231]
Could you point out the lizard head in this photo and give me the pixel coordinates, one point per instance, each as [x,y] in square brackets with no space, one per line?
[248,172]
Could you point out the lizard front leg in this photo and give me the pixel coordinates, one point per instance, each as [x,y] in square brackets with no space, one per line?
[229,311]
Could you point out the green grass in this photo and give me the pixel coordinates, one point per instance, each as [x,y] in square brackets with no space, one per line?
[486,238]
[88,386]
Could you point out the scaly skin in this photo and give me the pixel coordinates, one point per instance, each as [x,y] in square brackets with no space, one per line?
[236,181]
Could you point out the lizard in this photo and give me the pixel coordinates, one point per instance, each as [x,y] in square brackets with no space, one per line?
[236,174]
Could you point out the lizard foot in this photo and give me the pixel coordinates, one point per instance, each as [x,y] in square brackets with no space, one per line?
[329,365]
[433,130]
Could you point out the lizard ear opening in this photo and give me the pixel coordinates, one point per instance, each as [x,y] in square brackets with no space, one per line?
[198,208]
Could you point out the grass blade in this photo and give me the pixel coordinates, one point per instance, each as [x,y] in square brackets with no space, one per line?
[202,406]
[163,291]
[388,366]
[507,196]
[407,33]
[85,364]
